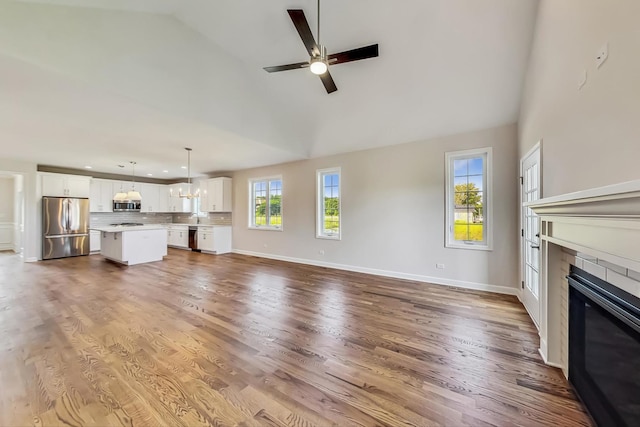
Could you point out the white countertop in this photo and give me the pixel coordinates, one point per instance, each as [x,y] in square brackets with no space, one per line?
[194,225]
[120,228]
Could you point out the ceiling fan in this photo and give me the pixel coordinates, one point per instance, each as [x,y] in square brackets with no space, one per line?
[319,61]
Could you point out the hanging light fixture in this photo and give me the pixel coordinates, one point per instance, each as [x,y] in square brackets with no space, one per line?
[319,64]
[120,195]
[189,195]
[133,194]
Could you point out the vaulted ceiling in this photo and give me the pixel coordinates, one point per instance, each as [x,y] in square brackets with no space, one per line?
[103,82]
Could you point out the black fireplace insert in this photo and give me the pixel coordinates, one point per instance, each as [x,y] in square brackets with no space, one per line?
[604,349]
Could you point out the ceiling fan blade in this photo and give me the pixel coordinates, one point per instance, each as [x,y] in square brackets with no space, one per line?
[301,24]
[286,67]
[370,51]
[328,82]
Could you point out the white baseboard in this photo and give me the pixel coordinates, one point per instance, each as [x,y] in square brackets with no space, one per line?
[385,273]
[543,353]
[31,259]
[6,247]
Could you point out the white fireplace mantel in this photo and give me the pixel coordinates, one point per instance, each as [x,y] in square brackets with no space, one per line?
[603,222]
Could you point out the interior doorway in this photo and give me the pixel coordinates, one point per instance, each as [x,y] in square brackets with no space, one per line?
[12,212]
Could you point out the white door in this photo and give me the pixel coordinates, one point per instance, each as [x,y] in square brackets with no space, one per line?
[530,191]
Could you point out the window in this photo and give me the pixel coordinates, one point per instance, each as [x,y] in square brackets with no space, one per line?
[328,205]
[266,203]
[469,199]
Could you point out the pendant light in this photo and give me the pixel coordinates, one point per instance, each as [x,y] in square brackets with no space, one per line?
[120,195]
[133,194]
[189,195]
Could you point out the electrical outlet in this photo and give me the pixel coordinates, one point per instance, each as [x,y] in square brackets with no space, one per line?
[265,245]
[602,55]
[321,251]
[440,266]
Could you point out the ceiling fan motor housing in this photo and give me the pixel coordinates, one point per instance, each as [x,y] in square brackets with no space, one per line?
[319,64]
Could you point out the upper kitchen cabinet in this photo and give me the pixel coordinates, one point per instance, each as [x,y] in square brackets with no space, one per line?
[151,198]
[101,195]
[218,198]
[202,186]
[60,185]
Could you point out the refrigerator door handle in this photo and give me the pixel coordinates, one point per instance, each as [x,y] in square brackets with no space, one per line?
[68,216]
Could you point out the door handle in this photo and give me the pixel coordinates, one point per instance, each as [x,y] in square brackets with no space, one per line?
[535,246]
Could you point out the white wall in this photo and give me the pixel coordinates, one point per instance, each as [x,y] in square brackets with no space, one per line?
[18,212]
[590,136]
[6,212]
[6,196]
[393,213]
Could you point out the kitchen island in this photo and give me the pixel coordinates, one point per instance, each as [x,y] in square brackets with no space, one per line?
[132,245]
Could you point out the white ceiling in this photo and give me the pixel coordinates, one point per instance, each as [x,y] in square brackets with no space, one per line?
[103,82]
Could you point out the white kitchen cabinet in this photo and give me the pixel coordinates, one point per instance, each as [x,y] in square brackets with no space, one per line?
[203,190]
[101,195]
[178,236]
[150,194]
[215,239]
[205,239]
[163,198]
[218,197]
[61,185]
[94,241]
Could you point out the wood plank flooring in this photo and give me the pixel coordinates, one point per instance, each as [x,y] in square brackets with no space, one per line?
[236,340]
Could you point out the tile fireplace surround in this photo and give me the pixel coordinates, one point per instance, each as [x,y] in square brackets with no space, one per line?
[601,225]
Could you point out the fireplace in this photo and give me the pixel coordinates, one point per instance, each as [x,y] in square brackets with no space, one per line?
[589,324]
[604,349]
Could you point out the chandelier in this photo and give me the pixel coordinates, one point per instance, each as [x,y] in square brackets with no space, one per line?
[189,195]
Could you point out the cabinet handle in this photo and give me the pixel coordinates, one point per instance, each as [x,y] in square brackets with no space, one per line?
[204,237]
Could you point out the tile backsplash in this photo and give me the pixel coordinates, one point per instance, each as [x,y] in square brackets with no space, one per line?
[107,218]
[223,218]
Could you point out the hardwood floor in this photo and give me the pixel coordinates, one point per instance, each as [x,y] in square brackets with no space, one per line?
[236,340]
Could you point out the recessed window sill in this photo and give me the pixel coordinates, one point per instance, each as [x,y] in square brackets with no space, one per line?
[473,247]
[266,228]
[329,237]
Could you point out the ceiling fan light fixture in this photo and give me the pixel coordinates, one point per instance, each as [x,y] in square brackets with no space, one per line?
[318,66]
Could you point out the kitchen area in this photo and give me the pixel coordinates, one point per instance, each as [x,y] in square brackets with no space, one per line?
[131,222]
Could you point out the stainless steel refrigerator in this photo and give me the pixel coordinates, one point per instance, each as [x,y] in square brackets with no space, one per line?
[65,227]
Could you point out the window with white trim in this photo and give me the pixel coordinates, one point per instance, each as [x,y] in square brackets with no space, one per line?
[265,203]
[328,203]
[469,195]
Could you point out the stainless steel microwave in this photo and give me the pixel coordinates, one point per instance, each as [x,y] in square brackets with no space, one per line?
[126,205]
